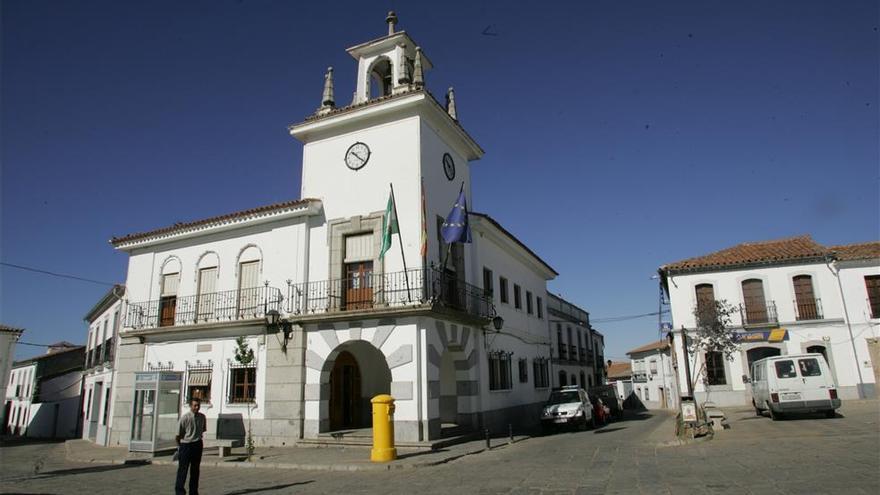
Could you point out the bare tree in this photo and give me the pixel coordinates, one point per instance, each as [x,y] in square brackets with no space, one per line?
[714,332]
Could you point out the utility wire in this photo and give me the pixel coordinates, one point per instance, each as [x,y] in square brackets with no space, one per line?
[54,274]
[612,319]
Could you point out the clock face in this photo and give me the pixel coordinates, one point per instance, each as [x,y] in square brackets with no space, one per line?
[357,156]
[448,166]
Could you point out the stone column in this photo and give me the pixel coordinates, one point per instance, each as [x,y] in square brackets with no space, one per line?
[129,360]
[285,379]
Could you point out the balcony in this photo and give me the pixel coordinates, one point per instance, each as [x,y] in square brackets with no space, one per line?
[808,310]
[213,307]
[759,314]
[371,292]
[639,377]
[572,353]
[563,354]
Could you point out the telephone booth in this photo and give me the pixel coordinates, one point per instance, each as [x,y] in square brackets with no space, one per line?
[155,411]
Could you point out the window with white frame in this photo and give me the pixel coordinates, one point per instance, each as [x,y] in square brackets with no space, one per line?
[523,370]
[541,372]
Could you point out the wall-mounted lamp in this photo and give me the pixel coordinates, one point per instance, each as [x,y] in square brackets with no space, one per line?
[497,322]
[275,323]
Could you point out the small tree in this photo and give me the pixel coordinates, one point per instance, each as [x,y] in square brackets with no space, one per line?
[714,332]
[243,353]
[245,356]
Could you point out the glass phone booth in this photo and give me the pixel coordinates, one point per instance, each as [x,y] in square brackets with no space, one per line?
[155,411]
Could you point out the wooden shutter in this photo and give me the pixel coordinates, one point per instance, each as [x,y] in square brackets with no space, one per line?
[249,297]
[170,282]
[753,298]
[207,290]
[804,297]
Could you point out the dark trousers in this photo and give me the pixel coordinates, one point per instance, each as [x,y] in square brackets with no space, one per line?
[189,460]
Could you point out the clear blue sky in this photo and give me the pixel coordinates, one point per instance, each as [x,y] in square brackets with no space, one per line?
[618,135]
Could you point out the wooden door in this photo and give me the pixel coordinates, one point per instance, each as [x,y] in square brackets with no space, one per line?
[358,285]
[804,298]
[753,298]
[167,310]
[345,392]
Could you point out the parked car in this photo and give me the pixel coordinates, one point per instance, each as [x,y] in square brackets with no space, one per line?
[608,394]
[568,406]
[601,412]
[793,383]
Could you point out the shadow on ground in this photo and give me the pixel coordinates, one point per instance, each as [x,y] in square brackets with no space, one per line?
[245,491]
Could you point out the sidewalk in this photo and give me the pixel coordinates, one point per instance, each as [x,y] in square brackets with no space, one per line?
[304,458]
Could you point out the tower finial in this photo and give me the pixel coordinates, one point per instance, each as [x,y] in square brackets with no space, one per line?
[418,73]
[392,21]
[450,103]
[328,102]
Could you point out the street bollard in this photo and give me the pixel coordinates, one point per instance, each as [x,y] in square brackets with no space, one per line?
[383,429]
[510,430]
[488,440]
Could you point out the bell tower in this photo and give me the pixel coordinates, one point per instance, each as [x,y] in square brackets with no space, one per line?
[394,132]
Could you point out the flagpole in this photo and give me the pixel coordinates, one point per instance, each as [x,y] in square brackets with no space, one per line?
[400,238]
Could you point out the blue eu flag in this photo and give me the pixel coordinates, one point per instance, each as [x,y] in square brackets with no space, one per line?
[456,228]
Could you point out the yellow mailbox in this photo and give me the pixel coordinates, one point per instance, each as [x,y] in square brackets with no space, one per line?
[383,429]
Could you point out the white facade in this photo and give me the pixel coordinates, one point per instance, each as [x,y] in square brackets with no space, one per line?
[19,395]
[8,337]
[104,322]
[354,323]
[577,349]
[653,377]
[837,323]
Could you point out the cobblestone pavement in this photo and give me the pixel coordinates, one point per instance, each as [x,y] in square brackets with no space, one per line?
[757,455]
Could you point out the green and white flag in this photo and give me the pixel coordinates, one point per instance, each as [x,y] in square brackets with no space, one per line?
[389,226]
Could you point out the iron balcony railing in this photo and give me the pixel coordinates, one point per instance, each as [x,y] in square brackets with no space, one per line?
[640,377]
[582,355]
[562,351]
[572,352]
[758,314]
[209,307]
[366,291]
[808,310]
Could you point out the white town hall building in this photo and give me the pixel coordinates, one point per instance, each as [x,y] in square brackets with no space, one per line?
[352,323]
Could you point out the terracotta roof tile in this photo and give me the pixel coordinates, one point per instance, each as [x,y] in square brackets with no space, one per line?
[793,248]
[862,251]
[217,219]
[653,346]
[619,369]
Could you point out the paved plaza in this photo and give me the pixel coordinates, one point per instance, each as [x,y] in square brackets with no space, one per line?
[757,455]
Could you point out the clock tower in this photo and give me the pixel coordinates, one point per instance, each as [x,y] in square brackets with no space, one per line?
[393,133]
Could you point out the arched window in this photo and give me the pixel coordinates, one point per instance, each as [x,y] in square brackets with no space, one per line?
[754,302]
[805,299]
[381,80]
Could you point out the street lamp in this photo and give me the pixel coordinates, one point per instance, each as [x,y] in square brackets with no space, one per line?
[497,322]
[275,323]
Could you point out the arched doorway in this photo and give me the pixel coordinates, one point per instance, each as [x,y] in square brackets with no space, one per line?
[757,353]
[819,349]
[357,373]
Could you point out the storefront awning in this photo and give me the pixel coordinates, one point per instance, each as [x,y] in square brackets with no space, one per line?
[199,378]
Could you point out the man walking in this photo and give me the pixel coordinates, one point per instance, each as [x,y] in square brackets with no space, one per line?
[189,441]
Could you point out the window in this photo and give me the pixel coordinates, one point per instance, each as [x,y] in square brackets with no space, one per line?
[563,379]
[809,367]
[705,303]
[541,372]
[168,300]
[502,288]
[872,284]
[572,354]
[517,296]
[523,370]
[243,384]
[715,368]
[89,405]
[207,288]
[805,300]
[529,307]
[198,384]
[499,371]
[753,299]
[560,345]
[106,407]
[540,307]
[785,369]
[652,366]
[583,380]
[250,299]
[488,282]
[647,394]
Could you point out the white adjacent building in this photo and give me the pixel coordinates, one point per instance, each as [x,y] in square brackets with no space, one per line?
[104,321]
[653,377]
[578,349]
[43,394]
[793,296]
[354,321]
[8,338]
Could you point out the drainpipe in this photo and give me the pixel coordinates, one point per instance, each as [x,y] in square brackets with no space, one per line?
[305,340]
[829,262]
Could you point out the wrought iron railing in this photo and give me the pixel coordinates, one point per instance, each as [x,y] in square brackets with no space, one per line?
[210,307]
[757,314]
[572,352]
[562,351]
[367,291]
[808,310]
[640,377]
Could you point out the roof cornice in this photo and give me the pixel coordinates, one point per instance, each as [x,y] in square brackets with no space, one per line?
[483,220]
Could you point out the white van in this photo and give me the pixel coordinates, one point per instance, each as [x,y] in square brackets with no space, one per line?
[793,383]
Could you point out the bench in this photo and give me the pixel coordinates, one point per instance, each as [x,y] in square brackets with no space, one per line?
[224,445]
[717,418]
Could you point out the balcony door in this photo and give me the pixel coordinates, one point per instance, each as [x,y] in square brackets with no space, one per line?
[207,288]
[249,300]
[805,298]
[754,301]
[168,300]
[358,285]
